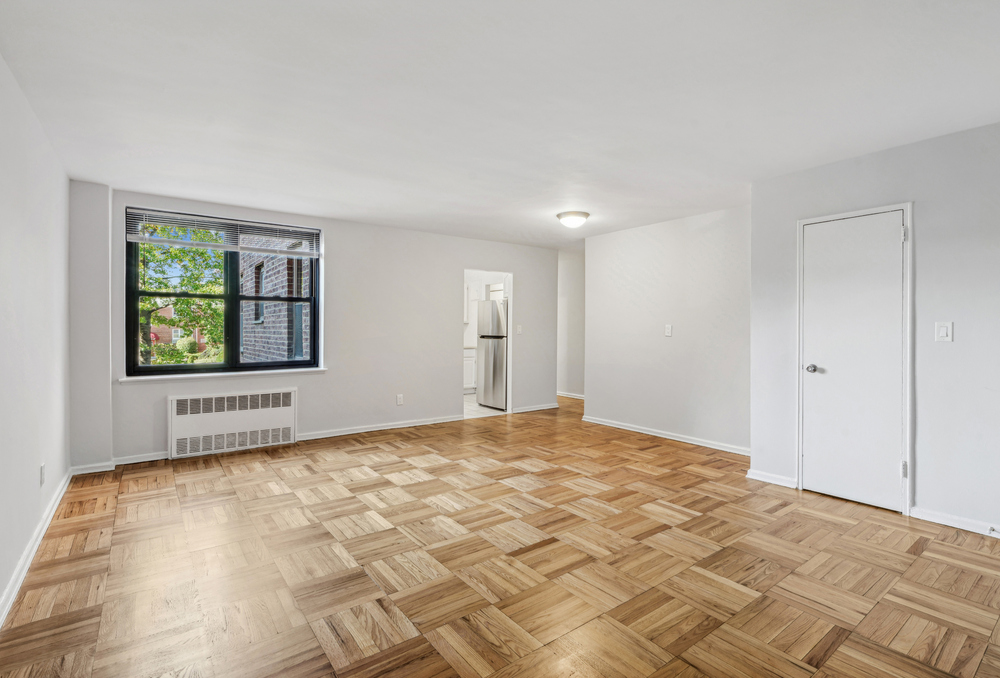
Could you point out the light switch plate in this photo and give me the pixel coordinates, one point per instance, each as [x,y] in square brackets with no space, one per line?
[668,331]
[944,331]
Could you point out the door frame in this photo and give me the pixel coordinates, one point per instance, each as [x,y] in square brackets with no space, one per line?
[509,299]
[510,340]
[907,481]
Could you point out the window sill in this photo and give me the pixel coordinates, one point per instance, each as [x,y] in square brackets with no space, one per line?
[221,375]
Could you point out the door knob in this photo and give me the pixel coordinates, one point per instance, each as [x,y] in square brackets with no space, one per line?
[811,368]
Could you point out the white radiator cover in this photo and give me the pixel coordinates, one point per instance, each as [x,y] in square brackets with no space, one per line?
[209,424]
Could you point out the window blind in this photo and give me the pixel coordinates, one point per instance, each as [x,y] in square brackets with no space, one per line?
[174,229]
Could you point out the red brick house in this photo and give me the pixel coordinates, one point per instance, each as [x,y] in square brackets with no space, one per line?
[165,334]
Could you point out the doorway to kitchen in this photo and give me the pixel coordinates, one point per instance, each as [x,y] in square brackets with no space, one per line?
[486,348]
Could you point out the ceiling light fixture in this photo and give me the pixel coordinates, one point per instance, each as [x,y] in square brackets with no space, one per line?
[572,219]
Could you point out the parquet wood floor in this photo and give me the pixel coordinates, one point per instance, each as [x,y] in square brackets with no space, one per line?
[511,546]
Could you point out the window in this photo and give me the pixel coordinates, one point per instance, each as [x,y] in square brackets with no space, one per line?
[245,292]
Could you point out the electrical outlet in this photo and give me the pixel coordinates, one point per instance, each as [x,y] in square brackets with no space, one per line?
[399,398]
[668,331]
[518,329]
[41,475]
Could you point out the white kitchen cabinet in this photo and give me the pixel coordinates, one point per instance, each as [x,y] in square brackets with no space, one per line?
[469,372]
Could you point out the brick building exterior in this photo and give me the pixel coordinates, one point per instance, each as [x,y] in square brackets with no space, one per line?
[274,330]
[164,334]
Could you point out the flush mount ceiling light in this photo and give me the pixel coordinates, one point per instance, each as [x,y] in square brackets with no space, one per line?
[572,219]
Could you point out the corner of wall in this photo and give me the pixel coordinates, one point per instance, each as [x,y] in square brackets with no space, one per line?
[90,414]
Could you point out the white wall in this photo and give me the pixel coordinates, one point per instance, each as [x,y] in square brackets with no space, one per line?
[90,324]
[571,325]
[952,182]
[392,323]
[691,273]
[33,340]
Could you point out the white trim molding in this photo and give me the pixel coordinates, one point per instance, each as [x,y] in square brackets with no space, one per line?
[578,396]
[772,478]
[99,467]
[110,465]
[535,408]
[139,458]
[725,447]
[333,433]
[154,378]
[103,466]
[17,578]
[968,524]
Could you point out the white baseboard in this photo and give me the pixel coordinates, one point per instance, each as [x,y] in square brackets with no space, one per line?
[968,524]
[14,585]
[470,391]
[725,447]
[154,456]
[773,478]
[535,408]
[376,427]
[578,396]
[139,458]
[99,467]
[110,465]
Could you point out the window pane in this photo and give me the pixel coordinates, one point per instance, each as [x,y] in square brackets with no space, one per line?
[182,233]
[272,243]
[197,325]
[272,331]
[180,269]
[271,275]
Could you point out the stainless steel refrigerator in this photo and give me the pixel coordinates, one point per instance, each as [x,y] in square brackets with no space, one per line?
[491,355]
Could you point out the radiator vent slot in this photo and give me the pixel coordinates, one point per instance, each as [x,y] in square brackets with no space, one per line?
[236,421]
[231,403]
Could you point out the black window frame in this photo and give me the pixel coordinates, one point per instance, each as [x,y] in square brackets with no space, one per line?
[231,298]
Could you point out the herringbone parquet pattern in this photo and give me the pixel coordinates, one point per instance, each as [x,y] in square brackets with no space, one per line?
[524,545]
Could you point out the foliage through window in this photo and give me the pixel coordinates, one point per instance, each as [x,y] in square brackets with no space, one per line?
[215,294]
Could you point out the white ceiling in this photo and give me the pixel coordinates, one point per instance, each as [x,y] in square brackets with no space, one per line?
[485,119]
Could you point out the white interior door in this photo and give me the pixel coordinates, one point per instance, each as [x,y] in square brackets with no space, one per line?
[853,338]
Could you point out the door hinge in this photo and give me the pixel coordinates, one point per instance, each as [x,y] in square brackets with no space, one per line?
[905,469]
[903,234]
